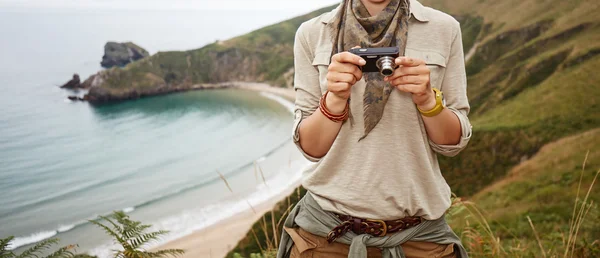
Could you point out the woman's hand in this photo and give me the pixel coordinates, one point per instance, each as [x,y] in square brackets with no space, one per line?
[412,76]
[343,72]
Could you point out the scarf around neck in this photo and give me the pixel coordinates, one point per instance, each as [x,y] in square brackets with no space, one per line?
[354,26]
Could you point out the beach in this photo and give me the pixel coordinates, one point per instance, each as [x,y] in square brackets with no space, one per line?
[218,239]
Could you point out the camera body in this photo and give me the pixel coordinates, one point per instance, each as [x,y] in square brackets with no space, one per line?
[380,59]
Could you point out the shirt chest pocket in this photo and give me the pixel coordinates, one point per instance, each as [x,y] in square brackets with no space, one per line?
[321,63]
[435,61]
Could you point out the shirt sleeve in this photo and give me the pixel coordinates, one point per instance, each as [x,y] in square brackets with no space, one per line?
[306,85]
[454,87]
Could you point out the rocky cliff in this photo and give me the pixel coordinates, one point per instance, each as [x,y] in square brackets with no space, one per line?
[121,54]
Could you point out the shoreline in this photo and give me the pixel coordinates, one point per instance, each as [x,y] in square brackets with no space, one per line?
[100,96]
[218,239]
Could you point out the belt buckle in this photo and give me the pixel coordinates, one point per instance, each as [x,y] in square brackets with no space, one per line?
[383,225]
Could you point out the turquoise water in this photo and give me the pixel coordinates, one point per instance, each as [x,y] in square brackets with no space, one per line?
[63,162]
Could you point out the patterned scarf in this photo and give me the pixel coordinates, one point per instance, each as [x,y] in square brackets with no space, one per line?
[354,26]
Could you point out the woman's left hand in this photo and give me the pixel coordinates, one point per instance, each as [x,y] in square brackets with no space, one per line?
[412,76]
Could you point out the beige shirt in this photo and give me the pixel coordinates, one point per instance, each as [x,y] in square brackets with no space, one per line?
[394,171]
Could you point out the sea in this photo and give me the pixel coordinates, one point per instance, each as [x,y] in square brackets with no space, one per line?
[159,159]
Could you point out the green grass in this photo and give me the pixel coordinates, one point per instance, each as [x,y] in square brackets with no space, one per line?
[529,83]
[545,189]
[262,238]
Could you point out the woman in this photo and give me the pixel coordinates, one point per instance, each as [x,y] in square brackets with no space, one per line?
[376,188]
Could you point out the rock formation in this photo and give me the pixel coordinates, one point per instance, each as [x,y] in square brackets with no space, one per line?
[121,54]
[74,83]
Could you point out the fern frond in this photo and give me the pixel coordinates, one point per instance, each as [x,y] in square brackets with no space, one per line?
[129,228]
[4,252]
[120,254]
[166,253]
[7,254]
[64,252]
[38,248]
[146,238]
[116,227]
[108,231]
[131,253]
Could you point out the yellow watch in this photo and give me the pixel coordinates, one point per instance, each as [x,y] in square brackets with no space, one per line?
[439,105]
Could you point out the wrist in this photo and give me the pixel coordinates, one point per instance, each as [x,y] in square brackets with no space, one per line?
[334,104]
[429,101]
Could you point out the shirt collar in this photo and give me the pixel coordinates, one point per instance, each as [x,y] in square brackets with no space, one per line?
[417,10]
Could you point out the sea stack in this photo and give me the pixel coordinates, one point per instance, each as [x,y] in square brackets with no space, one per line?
[74,83]
[121,54]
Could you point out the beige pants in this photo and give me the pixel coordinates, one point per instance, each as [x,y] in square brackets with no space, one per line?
[307,245]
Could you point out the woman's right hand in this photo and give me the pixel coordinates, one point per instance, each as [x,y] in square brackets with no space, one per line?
[343,72]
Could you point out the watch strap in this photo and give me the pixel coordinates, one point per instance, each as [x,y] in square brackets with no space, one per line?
[439,105]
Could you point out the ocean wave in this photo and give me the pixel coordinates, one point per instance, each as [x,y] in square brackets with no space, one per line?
[65,228]
[128,209]
[34,238]
[43,235]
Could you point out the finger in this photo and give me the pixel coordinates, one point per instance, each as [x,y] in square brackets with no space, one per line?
[409,61]
[339,87]
[407,79]
[356,47]
[408,70]
[410,88]
[347,57]
[341,77]
[346,68]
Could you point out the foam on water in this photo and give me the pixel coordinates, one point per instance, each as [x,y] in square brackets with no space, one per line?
[34,238]
[65,228]
[43,235]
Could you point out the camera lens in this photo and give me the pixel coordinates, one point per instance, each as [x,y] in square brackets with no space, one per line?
[386,65]
[386,71]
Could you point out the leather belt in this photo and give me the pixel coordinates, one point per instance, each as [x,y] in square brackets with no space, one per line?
[378,228]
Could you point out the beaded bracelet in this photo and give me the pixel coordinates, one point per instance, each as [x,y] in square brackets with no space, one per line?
[333,117]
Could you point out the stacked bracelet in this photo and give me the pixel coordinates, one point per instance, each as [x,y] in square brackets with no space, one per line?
[333,117]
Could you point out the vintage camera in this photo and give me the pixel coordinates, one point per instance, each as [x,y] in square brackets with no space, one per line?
[380,59]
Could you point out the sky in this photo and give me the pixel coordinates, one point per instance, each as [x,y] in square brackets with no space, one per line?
[296,5]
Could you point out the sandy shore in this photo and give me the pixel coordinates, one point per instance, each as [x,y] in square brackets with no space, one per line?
[217,240]
[287,93]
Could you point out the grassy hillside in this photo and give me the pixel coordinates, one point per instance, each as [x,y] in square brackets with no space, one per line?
[545,189]
[531,80]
